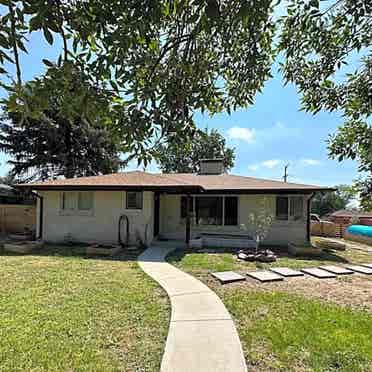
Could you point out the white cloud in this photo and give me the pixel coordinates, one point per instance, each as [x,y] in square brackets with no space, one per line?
[310,161]
[272,163]
[243,134]
[253,168]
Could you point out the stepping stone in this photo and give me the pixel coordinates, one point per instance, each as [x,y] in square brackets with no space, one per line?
[286,271]
[318,273]
[228,277]
[367,265]
[265,276]
[360,269]
[338,270]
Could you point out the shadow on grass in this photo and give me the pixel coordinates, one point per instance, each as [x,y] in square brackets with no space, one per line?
[76,250]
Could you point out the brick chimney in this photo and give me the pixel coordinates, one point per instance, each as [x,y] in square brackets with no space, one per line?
[211,166]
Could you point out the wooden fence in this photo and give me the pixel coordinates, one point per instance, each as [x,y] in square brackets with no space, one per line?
[16,218]
[328,229]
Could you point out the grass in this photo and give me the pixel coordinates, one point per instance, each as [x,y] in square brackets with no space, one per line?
[282,330]
[60,311]
[201,262]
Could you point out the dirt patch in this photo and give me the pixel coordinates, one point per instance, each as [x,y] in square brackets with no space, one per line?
[353,290]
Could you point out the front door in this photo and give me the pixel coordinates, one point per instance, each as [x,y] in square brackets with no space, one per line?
[156,214]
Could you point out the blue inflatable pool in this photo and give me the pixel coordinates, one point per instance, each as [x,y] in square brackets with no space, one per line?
[360,230]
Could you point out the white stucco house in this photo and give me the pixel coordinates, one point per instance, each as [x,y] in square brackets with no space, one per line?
[168,206]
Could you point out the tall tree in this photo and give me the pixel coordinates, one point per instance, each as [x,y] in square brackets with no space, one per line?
[61,141]
[318,40]
[183,155]
[329,202]
[162,60]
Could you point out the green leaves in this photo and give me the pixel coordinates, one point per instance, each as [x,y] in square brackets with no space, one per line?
[48,35]
[48,63]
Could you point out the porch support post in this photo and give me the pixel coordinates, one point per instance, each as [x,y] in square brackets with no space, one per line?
[308,222]
[188,219]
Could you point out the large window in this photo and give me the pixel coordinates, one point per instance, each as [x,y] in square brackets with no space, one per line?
[289,208]
[282,208]
[208,210]
[212,210]
[134,199]
[72,202]
[231,210]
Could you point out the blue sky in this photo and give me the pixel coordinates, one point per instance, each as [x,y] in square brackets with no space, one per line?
[266,136]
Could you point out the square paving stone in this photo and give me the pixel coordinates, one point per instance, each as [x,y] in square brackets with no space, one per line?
[360,269]
[265,276]
[369,265]
[318,273]
[228,276]
[338,270]
[286,271]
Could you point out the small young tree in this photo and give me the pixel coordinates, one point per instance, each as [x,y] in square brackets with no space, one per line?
[260,222]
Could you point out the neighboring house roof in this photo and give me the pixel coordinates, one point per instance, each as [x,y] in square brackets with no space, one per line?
[182,181]
[351,213]
[6,190]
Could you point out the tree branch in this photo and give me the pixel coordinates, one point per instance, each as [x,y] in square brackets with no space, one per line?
[14,42]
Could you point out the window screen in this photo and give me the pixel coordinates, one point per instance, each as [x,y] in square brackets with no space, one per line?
[231,210]
[282,208]
[85,201]
[209,210]
[68,201]
[184,206]
[134,200]
[296,207]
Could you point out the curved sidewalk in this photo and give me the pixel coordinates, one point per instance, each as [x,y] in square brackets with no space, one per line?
[202,336]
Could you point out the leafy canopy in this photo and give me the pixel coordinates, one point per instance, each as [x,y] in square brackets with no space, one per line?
[183,156]
[329,202]
[60,141]
[161,60]
[318,40]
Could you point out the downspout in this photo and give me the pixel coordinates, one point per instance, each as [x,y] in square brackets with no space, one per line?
[41,213]
[308,222]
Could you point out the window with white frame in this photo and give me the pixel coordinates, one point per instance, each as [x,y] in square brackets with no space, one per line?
[289,208]
[80,201]
[212,210]
[134,200]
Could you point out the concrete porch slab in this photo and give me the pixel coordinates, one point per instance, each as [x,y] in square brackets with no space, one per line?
[265,276]
[286,272]
[228,276]
[318,273]
[360,269]
[338,270]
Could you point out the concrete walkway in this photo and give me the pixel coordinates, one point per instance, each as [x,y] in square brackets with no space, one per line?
[202,336]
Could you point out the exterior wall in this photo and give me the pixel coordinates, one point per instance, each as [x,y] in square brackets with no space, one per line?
[101,225]
[281,232]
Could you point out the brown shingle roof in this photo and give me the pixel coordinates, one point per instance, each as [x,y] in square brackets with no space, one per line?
[138,179]
[347,213]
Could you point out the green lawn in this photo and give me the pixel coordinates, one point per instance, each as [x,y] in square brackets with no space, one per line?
[285,331]
[201,262]
[63,312]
